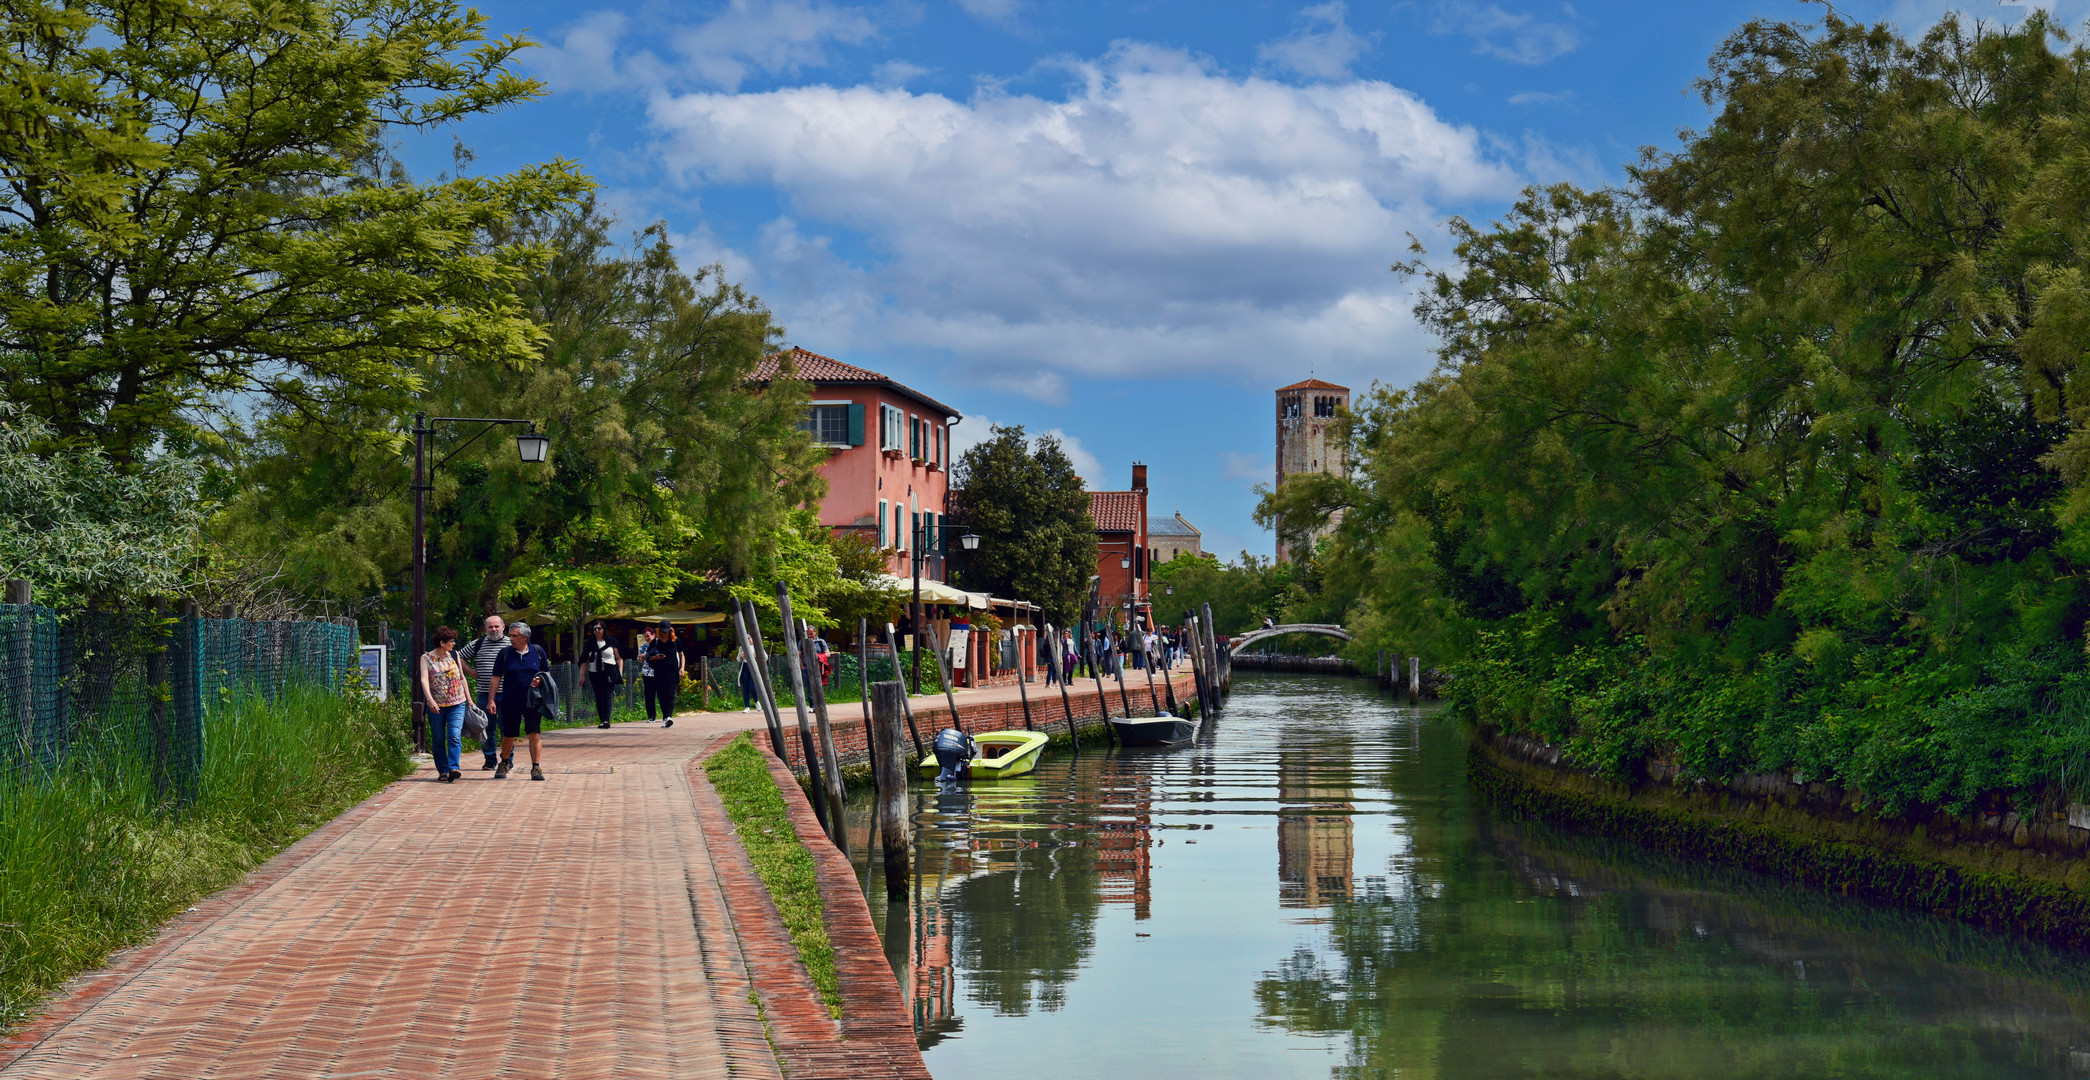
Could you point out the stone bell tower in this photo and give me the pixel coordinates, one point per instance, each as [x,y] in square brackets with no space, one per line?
[1306,413]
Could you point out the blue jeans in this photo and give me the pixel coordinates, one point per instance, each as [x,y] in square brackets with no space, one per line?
[449,723]
[493,736]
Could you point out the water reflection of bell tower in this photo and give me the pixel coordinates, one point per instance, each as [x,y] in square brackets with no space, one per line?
[1316,843]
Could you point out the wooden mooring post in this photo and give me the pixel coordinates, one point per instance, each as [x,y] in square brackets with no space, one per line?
[1052,657]
[1023,691]
[890,819]
[1414,679]
[758,673]
[892,642]
[837,799]
[828,821]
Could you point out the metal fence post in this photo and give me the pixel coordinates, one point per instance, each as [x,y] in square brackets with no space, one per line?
[185,661]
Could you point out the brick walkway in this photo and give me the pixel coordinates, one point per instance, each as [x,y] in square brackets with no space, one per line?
[574,928]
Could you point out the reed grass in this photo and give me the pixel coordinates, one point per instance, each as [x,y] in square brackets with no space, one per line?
[781,860]
[94,856]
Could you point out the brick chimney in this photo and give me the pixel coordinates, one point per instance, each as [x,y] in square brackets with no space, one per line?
[1139,477]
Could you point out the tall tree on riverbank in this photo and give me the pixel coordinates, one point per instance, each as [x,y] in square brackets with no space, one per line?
[194,218]
[667,470]
[1777,458]
[1031,511]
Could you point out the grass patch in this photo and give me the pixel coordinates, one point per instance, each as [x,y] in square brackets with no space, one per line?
[756,806]
[93,858]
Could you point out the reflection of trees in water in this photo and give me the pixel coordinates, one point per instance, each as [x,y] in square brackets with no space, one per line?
[1541,971]
[1021,933]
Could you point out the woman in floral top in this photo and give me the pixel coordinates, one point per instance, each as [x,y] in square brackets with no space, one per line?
[442,686]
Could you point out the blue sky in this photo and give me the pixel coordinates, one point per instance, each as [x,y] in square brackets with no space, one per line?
[1124,223]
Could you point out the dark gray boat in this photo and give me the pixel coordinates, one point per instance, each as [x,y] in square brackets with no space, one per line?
[1163,730]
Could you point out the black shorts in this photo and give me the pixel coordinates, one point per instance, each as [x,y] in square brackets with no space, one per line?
[520,719]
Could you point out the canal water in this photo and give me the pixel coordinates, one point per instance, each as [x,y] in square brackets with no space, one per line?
[1312,890]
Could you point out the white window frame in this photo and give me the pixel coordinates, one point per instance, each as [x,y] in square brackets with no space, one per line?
[892,428]
[844,404]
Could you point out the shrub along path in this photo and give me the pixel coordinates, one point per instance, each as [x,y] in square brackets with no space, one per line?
[485,928]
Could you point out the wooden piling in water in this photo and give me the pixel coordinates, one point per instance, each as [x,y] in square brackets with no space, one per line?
[1023,691]
[1414,679]
[892,641]
[894,825]
[1052,656]
[837,799]
[1146,660]
[943,672]
[1123,697]
[758,673]
[863,667]
[805,723]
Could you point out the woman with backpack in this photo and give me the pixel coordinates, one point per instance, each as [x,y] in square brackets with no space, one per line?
[605,670]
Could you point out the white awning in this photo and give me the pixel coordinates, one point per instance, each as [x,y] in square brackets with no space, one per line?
[933,592]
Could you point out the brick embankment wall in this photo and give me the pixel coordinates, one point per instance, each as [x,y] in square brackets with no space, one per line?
[1048,715]
[1997,869]
[875,1035]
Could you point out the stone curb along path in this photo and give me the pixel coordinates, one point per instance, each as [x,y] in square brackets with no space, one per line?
[603,924]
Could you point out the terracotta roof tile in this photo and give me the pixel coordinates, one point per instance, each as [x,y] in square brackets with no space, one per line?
[1115,511]
[815,368]
[1311,384]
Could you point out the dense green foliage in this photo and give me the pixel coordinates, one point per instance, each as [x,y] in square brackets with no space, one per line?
[756,805]
[191,220]
[1775,458]
[96,859]
[1242,593]
[82,528]
[1031,510]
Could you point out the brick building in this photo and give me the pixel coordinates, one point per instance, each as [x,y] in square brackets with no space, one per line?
[889,454]
[1121,542]
[1306,443]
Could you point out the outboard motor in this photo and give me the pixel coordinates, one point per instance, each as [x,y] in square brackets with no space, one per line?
[954,750]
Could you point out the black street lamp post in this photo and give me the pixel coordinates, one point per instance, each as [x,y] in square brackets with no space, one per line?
[970,542]
[530,446]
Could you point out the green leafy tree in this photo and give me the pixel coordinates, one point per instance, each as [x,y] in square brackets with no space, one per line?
[193,220]
[77,528]
[1031,511]
[1242,593]
[656,433]
[1774,458]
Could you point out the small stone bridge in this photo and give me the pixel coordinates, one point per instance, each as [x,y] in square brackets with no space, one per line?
[1325,629]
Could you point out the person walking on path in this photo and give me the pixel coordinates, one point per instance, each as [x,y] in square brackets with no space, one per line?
[520,667]
[478,658]
[748,689]
[605,670]
[443,688]
[661,667]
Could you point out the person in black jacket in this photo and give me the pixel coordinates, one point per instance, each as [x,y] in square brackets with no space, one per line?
[660,665]
[520,668]
[604,670]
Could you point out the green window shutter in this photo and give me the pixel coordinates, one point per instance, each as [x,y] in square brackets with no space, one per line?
[856,423]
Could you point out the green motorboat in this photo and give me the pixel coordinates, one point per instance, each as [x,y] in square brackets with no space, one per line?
[1003,754]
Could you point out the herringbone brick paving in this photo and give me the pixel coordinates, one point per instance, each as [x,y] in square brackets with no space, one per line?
[581,927]
[484,928]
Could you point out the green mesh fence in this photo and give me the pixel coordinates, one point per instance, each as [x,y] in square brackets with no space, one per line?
[79,686]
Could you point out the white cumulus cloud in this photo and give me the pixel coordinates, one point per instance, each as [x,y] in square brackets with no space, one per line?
[1162,218]
[977,429]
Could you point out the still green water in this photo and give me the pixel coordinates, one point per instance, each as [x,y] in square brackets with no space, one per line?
[1311,890]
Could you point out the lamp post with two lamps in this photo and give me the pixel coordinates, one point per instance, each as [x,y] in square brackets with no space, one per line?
[530,445]
[970,542]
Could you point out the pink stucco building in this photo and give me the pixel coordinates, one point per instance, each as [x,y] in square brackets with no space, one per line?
[889,454]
